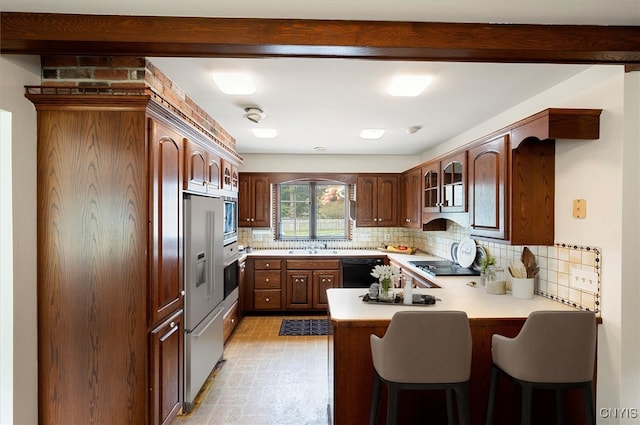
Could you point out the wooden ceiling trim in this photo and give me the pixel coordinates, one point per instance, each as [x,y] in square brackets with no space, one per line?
[65,34]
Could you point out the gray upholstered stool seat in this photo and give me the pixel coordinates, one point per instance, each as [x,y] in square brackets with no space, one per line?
[554,350]
[423,350]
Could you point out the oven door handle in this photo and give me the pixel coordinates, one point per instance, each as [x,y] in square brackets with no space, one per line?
[229,261]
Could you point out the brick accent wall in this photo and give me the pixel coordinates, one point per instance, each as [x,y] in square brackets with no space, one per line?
[128,72]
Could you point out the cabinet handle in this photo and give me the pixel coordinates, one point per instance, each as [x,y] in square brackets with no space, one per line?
[172,324]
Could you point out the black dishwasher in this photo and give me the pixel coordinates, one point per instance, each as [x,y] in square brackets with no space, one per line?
[356,272]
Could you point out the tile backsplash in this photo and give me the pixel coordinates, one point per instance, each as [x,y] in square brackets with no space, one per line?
[555,262]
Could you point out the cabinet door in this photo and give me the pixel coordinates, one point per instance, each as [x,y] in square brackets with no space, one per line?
[245,201]
[323,280]
[226,175]
[165,221]
[454,183]
[367,201]
[213,173]
[195,172]
[431,187]
[387,201]
[166,366]
[487,188]
[299,294]
[411,199]
[261,201]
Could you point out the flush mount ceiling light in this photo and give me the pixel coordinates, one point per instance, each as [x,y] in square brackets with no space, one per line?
[408,85]
[234,83]
[320,149]
[254,114]
[265,133]
[372,133]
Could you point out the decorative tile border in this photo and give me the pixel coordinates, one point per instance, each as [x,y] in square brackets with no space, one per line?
[554,284]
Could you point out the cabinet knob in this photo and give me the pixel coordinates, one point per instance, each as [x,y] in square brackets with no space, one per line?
[267,299]
[172,324]
[266,280]
[248,219]
[267,265]
[182,293]
[252,219]
[233,320]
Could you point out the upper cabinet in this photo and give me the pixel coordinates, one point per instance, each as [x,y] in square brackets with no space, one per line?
[512,176]
[411,207]
[444,187]
[377,200]
[202,169]
[254,200]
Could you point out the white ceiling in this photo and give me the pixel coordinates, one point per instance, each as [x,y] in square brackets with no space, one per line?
[325,102]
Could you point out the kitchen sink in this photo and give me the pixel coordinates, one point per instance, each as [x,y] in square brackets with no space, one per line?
[310,251]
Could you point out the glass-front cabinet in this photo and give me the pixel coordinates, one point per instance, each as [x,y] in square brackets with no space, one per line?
[445,184]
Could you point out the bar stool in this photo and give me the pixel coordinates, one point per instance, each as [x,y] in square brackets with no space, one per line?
[423,350]
[554,350]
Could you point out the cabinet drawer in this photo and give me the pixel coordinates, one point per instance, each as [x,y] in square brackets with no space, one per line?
[266,279]
[266,264]
[267,299]
[230,321]
[313,264]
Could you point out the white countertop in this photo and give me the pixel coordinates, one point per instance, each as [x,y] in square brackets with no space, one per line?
[454,294]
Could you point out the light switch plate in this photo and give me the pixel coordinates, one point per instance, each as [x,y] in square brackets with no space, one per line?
[584,280]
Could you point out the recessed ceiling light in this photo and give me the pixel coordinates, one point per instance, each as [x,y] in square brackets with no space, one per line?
[372,133]
[264,133]
[408,85]
[234,83]
[320,149]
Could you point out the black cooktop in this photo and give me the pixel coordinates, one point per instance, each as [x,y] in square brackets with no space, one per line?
[444,268]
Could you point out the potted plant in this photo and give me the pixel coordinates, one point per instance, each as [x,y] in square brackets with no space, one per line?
[385,275]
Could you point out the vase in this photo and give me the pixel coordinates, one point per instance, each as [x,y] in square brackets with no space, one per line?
[385,290]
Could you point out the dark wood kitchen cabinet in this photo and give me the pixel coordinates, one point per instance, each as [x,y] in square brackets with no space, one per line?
[201,169]
[254,200]
[411,195]
[166,374]
[266,286]
[308,281]
[377,200]
[512,176]
[445,184]
[110,291]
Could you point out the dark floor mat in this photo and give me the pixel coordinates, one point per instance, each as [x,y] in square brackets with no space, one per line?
[296,327]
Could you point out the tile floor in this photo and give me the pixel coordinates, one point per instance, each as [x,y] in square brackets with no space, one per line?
[265,379]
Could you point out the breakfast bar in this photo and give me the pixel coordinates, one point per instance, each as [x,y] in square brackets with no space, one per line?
[351,368]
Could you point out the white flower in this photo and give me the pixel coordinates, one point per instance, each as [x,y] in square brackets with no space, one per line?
[385,272]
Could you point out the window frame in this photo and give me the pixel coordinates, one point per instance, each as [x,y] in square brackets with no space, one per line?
[312,211]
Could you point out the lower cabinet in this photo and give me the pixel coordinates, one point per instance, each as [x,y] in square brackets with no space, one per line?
[166,380]
[308,281]
[267,286]
[230,321]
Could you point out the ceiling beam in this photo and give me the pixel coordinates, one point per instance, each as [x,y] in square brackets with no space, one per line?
[65,34]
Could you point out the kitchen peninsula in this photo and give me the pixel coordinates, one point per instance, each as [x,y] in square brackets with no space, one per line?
[351,368]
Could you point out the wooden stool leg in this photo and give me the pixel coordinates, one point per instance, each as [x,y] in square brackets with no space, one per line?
[589,408]
[492,394]
[375,400]
[527,394]
[462,397]
[449,395]
[392,406]
[559,406]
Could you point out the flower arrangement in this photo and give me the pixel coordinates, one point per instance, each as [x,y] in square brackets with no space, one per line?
[385,274]
[486,261]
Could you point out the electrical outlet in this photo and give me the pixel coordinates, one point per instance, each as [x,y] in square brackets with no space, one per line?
[386,237]
[584,280]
